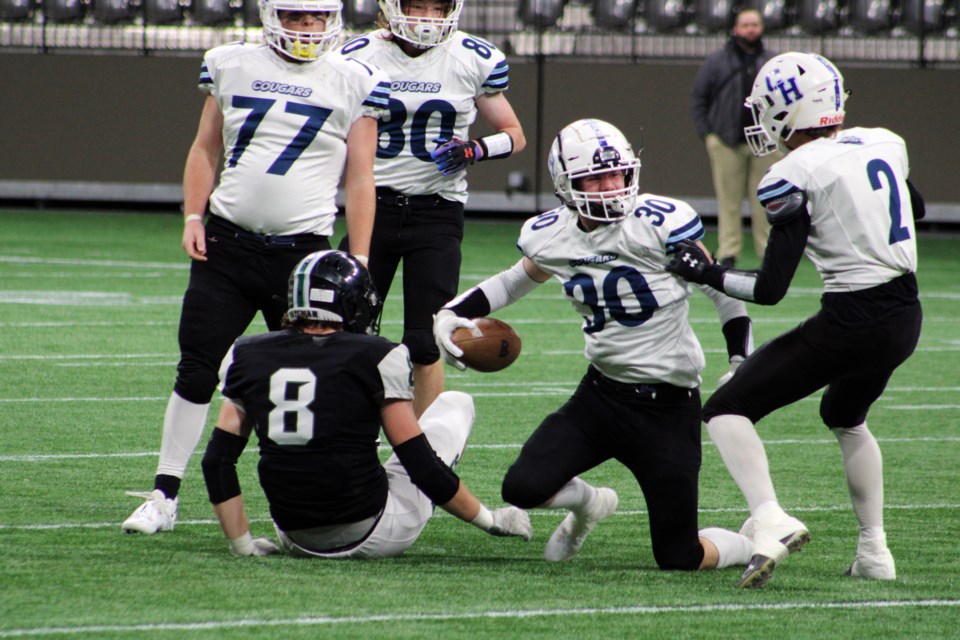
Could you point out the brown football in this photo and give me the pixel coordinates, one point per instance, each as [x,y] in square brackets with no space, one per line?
[496,349]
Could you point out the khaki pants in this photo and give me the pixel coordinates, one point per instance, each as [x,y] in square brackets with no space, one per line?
[736,174]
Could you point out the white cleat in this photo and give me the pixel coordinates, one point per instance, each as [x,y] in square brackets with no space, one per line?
[158,513]
[874,561]
[772,543]
[569,536]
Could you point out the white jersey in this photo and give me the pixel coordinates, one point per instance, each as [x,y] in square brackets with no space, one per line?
[635,313]
[285,131]
[431,96]
[862,233]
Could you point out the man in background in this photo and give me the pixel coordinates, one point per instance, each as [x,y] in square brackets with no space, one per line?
[722,84]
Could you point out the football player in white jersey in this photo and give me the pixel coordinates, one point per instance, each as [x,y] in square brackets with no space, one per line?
[316,393]
[639,402]
[441,79]
[843,198]
[288,117]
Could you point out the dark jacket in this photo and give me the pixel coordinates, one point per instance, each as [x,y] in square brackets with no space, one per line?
[718,92]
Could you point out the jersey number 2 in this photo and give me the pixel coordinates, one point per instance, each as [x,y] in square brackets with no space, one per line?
[876,168]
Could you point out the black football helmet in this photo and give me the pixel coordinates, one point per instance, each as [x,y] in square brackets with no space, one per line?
[333,286]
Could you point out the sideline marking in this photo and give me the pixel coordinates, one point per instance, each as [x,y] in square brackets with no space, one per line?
[517,614]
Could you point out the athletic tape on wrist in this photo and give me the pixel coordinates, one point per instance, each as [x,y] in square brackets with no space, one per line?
[499,145]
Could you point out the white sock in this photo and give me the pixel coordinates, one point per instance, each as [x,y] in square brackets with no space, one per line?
[863,465]
[742,451]
[575,496]
[183,425]
[734,549]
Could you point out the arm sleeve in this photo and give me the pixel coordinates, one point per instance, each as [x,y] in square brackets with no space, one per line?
[494,293]
[768,284]
[737,328]
[916,202]
[219,465]
[436,480]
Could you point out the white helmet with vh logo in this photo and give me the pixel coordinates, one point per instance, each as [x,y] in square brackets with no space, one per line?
[792,92]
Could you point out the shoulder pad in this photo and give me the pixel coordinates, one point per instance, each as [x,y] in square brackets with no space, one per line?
[785,208]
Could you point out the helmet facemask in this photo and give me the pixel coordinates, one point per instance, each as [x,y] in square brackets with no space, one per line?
[302,46]
[422,32]
[592,148]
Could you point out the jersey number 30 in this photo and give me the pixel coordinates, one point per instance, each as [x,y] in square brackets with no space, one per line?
[612,302]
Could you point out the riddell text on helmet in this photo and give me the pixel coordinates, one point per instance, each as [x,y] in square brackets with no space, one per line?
[827,121]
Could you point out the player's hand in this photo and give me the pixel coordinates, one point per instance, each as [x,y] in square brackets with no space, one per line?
[445,322]
[735,363]
[195,240]
[455,155]
[246,545]
[689,262]
[511,521]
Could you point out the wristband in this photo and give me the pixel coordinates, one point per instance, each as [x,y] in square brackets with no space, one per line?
[362,259]
[499,145]
[193,216]
[484,519]
[243,545]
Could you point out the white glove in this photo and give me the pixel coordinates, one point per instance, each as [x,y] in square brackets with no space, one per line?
[247,545]
[505,521]
[735,363]
[445,322]
[511,521]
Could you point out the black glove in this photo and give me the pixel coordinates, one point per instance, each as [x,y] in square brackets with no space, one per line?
[454,155]
[689,262]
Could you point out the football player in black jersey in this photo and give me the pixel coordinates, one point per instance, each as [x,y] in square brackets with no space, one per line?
[316,393]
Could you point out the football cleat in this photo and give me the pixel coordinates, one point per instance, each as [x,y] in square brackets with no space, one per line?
[569,536]
[874,561]
[773,542]
[158,513]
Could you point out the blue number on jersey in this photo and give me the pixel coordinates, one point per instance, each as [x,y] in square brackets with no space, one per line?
[654,209]
[259,107]
[898,232]
[419,124]
[613,302]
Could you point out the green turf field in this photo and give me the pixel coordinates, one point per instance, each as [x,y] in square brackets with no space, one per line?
[89,305]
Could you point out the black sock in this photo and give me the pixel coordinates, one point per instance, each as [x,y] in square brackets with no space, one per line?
[170,485]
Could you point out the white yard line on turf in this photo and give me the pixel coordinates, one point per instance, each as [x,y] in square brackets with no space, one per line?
[516,614]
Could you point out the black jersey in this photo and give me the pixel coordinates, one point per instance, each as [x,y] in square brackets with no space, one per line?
[315,402]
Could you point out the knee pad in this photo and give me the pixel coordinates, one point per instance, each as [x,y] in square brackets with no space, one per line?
[195,385]
[423,348]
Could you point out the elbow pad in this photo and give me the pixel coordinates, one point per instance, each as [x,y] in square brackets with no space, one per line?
[783,209]
[436,480]
[219,465]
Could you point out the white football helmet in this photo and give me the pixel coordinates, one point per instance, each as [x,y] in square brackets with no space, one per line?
[422,32]
[591,147]
[301,46]
[792,92]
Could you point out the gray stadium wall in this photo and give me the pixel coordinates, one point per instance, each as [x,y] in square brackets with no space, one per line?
[128,120]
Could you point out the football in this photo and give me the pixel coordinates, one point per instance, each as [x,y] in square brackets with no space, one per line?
[496,349]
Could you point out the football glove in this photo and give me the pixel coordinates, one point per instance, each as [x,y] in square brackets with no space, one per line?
[445,322]
[247,545]
[689,262]
[735,363]
[455,155]
[511,521]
